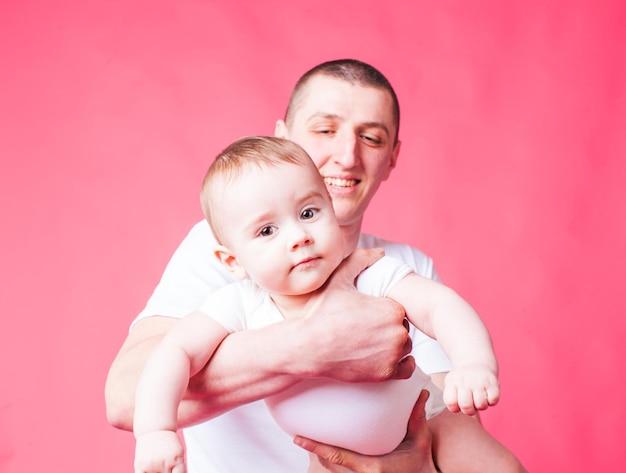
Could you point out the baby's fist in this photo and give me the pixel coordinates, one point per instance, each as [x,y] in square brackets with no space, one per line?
[471,388]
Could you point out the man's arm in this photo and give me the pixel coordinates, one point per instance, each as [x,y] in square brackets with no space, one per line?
[244,372]
[254,364]
[123,376]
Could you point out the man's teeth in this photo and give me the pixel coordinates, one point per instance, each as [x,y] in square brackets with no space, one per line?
[338,182]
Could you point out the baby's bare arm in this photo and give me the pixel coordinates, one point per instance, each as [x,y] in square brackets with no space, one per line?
[183,352]
[441,313]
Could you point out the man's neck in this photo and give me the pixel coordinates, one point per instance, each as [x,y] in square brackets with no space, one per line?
[351,234]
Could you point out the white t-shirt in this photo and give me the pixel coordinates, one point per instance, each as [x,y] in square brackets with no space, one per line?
[247,439]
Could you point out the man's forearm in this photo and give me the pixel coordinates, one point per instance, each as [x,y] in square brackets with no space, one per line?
[123,377]
[247,366]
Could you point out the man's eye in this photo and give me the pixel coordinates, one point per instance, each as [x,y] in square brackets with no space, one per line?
[267,231]
[308,214]
[324,131]
[372,139]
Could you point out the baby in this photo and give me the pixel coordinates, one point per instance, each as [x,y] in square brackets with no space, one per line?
[273,218]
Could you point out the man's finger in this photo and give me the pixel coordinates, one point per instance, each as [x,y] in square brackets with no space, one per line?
[327,452]
[405,369]
[334,459]
[418,428]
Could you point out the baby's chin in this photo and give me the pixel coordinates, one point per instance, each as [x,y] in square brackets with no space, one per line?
[309,289]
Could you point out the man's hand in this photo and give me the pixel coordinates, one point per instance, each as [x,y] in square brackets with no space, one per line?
[413,454]
[350,336]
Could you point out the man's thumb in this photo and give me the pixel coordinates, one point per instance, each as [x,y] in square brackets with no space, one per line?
[359,260]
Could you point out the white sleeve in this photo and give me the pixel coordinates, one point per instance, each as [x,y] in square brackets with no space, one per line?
[191,275]
[227,306]
[379,278]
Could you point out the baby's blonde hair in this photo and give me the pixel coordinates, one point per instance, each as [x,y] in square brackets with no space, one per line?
[245,153]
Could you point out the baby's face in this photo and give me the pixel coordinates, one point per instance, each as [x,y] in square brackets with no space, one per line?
[280,225]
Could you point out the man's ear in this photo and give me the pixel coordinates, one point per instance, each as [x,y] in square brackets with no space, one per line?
[229,261]
[280,130]
[394,159]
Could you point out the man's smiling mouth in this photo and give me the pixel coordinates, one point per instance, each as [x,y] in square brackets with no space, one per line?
[340,182]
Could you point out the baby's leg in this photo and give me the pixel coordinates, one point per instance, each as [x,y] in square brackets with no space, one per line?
[461,444]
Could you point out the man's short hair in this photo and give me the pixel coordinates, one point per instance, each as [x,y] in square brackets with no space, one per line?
[349,70]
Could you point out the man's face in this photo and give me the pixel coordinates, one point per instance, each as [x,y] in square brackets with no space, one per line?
[349,131]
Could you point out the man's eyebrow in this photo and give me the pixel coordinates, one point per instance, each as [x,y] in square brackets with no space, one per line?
[334,116]
[376,125]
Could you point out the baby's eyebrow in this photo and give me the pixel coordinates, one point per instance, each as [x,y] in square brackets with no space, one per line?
[310,195]
[267,216]
[256,221]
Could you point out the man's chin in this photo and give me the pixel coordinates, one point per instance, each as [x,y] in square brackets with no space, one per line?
[348,219]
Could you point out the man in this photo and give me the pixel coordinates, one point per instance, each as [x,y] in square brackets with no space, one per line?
[346,116]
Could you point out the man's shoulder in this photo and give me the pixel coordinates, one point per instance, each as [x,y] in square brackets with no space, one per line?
[201,232]
[392,248]
[418,260]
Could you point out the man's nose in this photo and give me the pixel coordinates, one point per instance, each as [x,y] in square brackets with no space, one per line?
[346,152]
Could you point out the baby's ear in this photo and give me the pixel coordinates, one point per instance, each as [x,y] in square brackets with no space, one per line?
[225,257]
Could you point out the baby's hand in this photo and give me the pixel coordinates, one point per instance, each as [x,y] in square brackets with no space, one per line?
[471,388]
[160,451]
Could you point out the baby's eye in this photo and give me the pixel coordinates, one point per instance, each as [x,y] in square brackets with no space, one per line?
[308,214]
[267,231]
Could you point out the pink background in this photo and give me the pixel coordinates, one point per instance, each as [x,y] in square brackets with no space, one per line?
[511,176]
